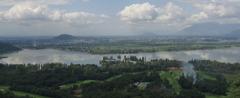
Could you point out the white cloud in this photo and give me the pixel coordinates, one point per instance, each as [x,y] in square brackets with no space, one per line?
[29,11]
[25,11]
[77,17]
[197,17]
[147,12]
[139,12]
[171,13]
[215,10]
[222,11]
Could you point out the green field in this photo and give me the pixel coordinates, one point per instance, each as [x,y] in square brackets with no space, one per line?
[114,77]
[3,88]
[20,93]
[172,77]
[214,96]
[79,83]
[203,75]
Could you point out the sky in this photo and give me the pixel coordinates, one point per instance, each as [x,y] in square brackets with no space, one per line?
[111,17]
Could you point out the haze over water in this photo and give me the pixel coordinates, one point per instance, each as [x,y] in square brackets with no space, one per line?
[42,56]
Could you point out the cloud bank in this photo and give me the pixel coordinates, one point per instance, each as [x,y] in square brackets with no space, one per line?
[32,12]
[127,18]
[147,12]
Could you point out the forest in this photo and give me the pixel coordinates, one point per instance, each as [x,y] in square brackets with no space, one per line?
[121,77]
[7,48]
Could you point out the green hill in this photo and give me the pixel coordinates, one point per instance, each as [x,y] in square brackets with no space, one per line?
[7,48]
[65,37]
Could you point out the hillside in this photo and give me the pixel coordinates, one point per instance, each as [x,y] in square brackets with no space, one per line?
[210,29]
[235,33]
[64,37]
[130,77]
[7,48]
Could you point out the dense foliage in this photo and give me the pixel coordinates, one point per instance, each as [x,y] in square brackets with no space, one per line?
[235,89]
[216,67]
[7,48]
[121,77]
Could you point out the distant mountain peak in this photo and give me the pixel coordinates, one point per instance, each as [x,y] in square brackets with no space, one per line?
[210,28]
[8,48]
[65,37]
[235,33]
[148,34]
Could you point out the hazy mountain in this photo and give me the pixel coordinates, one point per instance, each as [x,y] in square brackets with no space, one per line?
[210,29]
[235,33]
[65,37]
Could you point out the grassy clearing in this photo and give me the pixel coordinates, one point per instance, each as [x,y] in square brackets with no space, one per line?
[79,83]
[114,77]
[214,96]
[20,93]
[172,77]
[203,75]
[231,77]
[3,88]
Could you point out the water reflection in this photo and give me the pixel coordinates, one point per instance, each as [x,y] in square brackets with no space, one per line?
[52,56]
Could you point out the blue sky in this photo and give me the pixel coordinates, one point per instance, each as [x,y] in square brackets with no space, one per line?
[111,17]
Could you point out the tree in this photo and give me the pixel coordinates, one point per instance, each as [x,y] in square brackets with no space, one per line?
[234,89]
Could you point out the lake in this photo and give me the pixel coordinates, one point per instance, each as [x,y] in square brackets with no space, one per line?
[42,56]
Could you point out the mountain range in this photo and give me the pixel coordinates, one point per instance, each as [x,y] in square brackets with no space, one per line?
[211,29]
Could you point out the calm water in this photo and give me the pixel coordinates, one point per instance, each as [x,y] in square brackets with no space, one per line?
[52,56]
